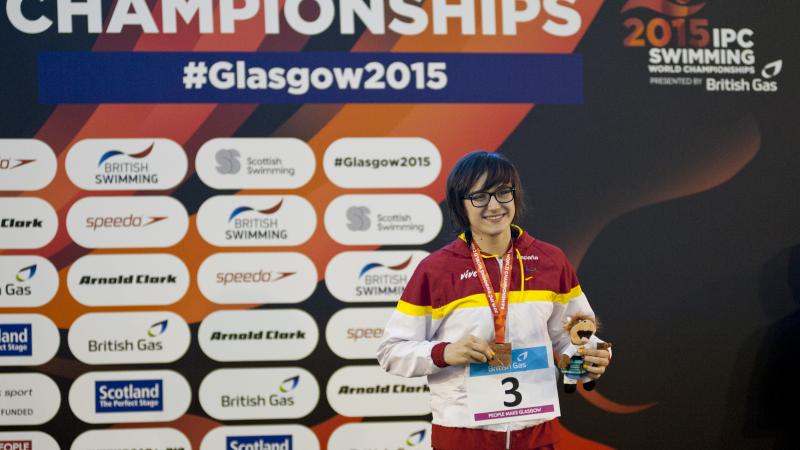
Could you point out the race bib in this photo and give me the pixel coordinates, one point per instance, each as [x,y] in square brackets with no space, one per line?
[524,390]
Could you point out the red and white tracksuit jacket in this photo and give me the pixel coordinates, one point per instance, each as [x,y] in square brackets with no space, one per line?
[444,301]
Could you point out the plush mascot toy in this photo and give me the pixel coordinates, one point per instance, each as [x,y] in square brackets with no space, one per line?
[582,333]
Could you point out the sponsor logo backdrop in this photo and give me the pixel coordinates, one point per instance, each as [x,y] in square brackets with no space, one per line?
[207,214]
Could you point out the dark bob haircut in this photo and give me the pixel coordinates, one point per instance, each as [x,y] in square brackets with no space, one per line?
[468,169]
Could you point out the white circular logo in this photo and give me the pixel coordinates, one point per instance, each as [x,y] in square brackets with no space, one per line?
[26,281]
[255,163]
[26,165]
[256,220]
[382,162]
[27,399]
[26,223]
[126,164]
[354,333]
[379,276]
[364,391]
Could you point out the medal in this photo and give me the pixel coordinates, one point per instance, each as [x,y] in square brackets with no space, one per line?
[499,307]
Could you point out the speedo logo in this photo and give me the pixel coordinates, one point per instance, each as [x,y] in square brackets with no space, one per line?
[130,221]
[11,164]
[259,276]
[266,442]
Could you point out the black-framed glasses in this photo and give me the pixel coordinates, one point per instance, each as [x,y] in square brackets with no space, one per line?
[481,199]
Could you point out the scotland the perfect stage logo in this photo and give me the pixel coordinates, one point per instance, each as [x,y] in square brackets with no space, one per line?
[16,339]
[265,442]
[129,396]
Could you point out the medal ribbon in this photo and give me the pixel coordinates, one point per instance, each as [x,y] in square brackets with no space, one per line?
[499,307]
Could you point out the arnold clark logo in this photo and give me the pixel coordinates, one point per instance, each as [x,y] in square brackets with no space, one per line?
[27,399]
[127,222]
[255,163]
[27,339]
[128,280]
[378,276]
[259,394]
[364,391]
[26,165]
[386,219]
[382,162]
[26,281]
[410,435]
[129,337]
[130,396]
[256,220]
[130,164]
[258,335]
[26,223]
[261,437]
[132,439]
[274,277]
[354,333]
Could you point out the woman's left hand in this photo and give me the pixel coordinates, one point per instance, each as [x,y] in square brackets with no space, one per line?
[596,362]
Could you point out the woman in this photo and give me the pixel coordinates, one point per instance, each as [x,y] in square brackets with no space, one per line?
[493,294]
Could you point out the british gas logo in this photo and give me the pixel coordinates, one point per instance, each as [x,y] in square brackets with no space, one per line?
[240,220]
[126,164]
[128,280]
[129,338]
[26,281]
[127,222]
[273,277]
[26,165]
[386,219]
[377,276]
[259,394]
[26,223]
[258,335]
[255,163]
[381,435]
[130,396]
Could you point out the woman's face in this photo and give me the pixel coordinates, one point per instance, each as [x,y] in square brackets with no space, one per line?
[492,219]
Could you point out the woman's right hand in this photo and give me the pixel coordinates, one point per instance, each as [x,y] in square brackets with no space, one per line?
[469,349]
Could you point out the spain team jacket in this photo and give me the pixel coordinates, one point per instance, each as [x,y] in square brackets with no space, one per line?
[445,301]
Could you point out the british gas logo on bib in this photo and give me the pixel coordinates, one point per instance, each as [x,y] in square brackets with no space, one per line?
[126,164]
[26,223]
[26,165]
[261,437]
[255,163]
[364,391]
[26,281]
[259,394]
[258,335]
[128,280]
[256,220]
[387,219]
[274,277]
[130,396]
[379,276]
[129,337]
[127,222]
